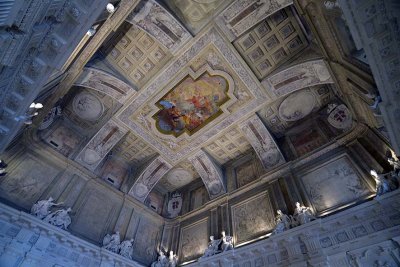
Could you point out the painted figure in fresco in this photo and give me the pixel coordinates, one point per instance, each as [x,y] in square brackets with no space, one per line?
[126,249]
[227,242]
[112,242]
[212,247]
[162,260]
[42,208]
[3,167]
[383,184]
[303,214]
[283,222]
[172,259]
[59,218]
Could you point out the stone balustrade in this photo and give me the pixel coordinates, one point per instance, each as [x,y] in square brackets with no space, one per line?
[364,235]
[27,241]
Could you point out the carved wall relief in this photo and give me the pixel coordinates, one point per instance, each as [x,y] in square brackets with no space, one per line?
[244,14]
[25,183]
[100,145]
[334,183]
[193,240]
[210,173]
[262,142]
[252,218]
[148,178]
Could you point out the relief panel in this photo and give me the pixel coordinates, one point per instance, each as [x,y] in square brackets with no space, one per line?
[335,183]
[252,218]
[193,240]
[25,183]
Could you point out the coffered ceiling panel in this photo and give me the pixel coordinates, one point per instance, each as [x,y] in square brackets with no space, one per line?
[272,42]
[133,150]
[228,146]
[136,54]
[199,95]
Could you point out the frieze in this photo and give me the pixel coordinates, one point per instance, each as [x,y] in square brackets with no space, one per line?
[298,77]
[105,83]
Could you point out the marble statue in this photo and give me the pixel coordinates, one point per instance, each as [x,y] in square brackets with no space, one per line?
[41,209]
[112,242]
[212,247]
[302,214]
[283,222]
[172,259]
[59,218]
[126,249]
[396,165]
[3,167]
[383,184]
[162,260]
[226,242]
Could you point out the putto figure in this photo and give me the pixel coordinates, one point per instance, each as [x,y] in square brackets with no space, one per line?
[112,242]
[303,214]
[383,184]
[172,259]
[213,247]
[283,222]
[59,218]
[41,209]
[162,260]
[126,249]
[227,242]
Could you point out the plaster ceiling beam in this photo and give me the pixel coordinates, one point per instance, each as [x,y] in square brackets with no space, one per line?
[147,177]
[112,23]
[262,142]
[210,173]
[100,145]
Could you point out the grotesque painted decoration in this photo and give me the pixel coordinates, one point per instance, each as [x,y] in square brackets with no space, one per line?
[191,104]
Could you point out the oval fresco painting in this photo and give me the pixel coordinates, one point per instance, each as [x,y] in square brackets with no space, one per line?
[191,104]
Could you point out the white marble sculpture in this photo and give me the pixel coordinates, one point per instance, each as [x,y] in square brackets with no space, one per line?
[302,215]
[161,261]
[126,249]
[395,163]
[383,184]
[42,208]
[212,247]
[112,242]
[283,222]
[59,218]
[172,259]
[227,242]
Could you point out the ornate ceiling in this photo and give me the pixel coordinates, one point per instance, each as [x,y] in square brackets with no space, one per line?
[204,82]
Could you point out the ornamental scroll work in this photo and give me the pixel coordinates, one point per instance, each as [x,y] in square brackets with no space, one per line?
[298,77]
[262,142]
[160,24]
[210,173]
[244,14]
[98,147]
[148,178]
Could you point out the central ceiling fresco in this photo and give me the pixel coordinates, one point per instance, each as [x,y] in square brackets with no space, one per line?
[191,104]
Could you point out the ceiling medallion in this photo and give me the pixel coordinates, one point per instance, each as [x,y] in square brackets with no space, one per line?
[191,104]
